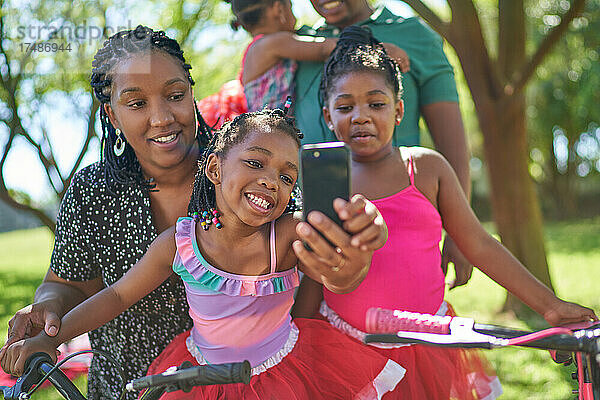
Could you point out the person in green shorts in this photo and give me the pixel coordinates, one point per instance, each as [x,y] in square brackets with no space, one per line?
[429,91]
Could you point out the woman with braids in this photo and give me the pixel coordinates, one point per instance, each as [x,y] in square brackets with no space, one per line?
[269,62]
[113,209]
[238,254]
[418,193]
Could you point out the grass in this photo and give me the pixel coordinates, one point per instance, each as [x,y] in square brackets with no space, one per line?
[24,262]
[573,254]
[573,250]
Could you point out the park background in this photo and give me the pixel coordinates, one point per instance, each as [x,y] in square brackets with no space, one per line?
[542,58]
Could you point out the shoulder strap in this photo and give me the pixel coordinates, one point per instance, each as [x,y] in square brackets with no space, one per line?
[411,169]
[272,247]
[257,37]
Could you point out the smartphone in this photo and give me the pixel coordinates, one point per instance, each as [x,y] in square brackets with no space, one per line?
[324,176]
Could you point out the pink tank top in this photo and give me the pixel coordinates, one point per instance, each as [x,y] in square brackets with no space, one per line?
[272,88]
[405,273]
[236,317]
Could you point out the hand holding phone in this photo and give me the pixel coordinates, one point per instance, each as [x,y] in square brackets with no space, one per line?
[325,176]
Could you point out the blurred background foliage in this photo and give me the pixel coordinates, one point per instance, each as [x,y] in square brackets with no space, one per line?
[563,115]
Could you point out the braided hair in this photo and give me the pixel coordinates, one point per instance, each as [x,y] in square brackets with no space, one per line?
[358,51]
[125,169]
[231,134]
[249,13]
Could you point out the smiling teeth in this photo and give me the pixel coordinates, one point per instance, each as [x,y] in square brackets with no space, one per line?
[165,139]
[258,201]
[331,4]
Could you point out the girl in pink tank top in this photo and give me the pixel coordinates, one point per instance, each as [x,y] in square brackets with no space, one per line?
[418,194]
[268,63]
[239,266]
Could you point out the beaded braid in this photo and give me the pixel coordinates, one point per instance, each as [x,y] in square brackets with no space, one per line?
[125,169]
[357,50]
[202,205]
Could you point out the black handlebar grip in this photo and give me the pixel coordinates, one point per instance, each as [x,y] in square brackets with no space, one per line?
[222,373]
[216,374]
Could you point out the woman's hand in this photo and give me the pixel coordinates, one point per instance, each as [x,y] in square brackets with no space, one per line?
[30,321]
[399,56]
[342,261]
[13,359]
[565,312]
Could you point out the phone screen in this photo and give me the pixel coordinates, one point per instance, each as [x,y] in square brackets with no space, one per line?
[325,175]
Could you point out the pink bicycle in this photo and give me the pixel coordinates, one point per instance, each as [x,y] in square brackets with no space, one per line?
[579,343]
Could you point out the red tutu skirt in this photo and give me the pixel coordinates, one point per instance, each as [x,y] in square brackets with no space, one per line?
[323,364]
[436,373]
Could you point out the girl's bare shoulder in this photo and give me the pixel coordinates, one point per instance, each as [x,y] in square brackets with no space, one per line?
[425,160]
[286,226]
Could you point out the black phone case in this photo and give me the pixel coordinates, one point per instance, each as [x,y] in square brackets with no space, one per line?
[325,175]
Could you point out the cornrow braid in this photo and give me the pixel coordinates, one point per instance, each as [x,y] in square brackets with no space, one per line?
[232,133]
[357,50]
[125,169]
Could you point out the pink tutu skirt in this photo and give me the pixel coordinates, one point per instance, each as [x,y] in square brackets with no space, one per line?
[434,373]
[323,364]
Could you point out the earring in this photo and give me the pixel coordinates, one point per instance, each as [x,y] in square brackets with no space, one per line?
[119,146]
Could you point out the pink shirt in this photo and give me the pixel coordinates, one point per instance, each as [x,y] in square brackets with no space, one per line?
[406,273]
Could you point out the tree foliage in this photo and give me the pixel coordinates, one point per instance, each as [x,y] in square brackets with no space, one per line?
[499,61]
[563,116]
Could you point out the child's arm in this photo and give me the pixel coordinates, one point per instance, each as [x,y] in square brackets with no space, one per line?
[145,276]
[488,254]
[341,267]
[308,298]
[271,48]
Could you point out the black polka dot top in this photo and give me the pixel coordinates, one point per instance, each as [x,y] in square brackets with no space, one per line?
[103,234]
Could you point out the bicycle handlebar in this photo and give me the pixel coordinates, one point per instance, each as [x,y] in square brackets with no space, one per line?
[36,367]
[394,326]
[186,378]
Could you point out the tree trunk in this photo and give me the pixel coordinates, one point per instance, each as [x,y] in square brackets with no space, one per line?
[501,116]
[497,91]
[514,200]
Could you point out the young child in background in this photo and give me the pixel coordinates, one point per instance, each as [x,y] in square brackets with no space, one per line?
[418,194]
[239,272]
[269,62]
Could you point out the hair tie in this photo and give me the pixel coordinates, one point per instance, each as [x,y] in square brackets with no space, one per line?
[287,105]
